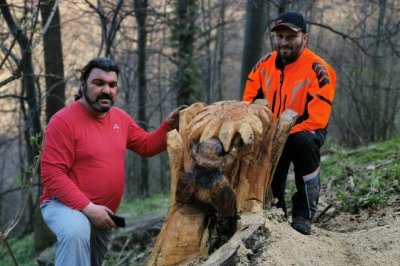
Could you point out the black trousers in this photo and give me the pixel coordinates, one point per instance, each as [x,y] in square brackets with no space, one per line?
[303,150]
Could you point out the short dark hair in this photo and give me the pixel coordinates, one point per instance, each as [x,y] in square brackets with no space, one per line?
[99,62]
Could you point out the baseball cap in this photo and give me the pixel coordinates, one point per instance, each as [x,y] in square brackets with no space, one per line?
[293,20]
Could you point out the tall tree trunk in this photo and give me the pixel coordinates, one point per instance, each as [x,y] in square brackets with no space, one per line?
[207,35]
[141,15]
[253,38]
[55,96]
[183,34]
[53,59]
[377,120]
[160,85]
[219,55]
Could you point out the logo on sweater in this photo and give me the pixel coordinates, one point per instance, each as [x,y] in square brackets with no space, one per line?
[116,127]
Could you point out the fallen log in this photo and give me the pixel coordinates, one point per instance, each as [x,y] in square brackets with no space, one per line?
[222,161]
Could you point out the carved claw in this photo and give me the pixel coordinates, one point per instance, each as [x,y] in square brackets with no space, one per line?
[223,198]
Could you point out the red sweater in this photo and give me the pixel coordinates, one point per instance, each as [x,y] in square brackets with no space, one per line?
[83,158]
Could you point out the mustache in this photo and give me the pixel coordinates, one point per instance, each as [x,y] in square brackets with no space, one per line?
[104,96]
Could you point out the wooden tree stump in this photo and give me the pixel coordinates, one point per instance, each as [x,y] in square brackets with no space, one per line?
[222,162]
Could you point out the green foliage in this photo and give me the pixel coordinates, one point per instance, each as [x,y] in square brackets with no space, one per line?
[371,192]
[25,178]
[374,170]
[132,210]
[140,207]
[22,249]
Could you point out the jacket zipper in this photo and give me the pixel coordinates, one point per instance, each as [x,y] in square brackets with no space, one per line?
[280,91]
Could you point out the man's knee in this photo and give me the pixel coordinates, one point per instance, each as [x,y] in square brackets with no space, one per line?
[75,233]
[305,153]
[306,141]
[73,245]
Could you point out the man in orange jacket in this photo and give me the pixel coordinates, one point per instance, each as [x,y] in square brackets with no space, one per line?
[293,77]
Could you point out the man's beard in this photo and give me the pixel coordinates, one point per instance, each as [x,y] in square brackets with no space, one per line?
[96,105]
[291,55]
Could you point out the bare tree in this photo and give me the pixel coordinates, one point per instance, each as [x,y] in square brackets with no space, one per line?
[140,7]
[55,95]
[367,92]
[28,94]
[253,38]
[183,35]
[212,33]
[53,59]
[111,17]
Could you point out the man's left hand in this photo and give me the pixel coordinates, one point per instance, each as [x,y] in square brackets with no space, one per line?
[173,118]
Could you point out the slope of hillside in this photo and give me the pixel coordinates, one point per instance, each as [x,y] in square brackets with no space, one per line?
[358,218]
[368,238]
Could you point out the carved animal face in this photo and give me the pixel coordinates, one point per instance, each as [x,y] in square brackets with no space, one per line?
[208,154]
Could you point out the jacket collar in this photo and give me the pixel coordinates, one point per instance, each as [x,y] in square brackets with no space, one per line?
[279,63]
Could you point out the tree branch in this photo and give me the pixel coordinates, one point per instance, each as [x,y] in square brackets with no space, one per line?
[46,26]
[8,51]
[13,96]
[345,36]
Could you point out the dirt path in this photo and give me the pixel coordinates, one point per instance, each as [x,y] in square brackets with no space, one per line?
[370,238]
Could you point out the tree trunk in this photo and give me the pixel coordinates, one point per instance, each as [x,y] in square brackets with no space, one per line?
[53,59]
[253,38]
[219,53]
[238,146]
[183,35]
[55,98]
[141,15]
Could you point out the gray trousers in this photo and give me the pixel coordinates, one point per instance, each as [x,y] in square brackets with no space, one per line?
[79,243]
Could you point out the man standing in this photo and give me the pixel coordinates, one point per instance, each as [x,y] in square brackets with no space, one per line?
[293,77]
[83,161]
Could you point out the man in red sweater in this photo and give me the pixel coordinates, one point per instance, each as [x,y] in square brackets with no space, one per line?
[82,164]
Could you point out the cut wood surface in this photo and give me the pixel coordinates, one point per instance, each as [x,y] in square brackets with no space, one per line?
[224,153]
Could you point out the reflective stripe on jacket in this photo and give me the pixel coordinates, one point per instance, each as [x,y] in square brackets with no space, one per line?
[306,86]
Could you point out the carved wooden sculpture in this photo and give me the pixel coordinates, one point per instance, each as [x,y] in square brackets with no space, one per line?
[222,162]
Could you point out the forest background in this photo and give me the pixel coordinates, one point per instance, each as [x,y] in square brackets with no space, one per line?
[175,52]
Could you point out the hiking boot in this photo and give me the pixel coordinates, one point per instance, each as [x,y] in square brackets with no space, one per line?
[301,225]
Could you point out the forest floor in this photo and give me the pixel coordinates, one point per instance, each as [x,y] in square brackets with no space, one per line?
[357,221]
[353,225]
[371,237]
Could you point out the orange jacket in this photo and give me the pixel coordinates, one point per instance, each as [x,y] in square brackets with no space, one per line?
[306,86]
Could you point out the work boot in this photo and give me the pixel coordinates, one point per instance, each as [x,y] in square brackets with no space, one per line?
[302,225]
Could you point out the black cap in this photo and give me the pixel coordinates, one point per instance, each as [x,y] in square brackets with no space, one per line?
[292,20]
